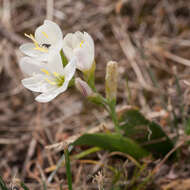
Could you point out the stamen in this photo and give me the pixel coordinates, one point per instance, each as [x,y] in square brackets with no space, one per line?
[50,82]
[45,34]
[31,37]
[60,79]
[56,74]
[45,71]
[37,47]
[81,43]
[41,49]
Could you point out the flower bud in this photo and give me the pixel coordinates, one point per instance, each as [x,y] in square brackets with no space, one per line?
[81,45]
[111,80]
[83,87]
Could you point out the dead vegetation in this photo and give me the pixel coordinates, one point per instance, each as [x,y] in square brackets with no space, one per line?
[150,41]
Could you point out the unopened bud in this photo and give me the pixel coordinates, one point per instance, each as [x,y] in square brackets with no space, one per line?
[111,80]
[83,87]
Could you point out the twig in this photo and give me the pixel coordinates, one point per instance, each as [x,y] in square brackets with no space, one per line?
[49,9]
[130,53]
[176,58]
[157,168]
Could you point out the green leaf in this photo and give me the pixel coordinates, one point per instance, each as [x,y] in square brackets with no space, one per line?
[112,142]
[149,134]
[68,168]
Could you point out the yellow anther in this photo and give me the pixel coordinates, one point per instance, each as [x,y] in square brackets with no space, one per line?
[37,47]
[45,34]
[81,43]
[56,74]
[50,82]
[45,71]
[31,37]
[41,49]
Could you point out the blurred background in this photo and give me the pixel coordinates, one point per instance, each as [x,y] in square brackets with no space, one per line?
[150,40]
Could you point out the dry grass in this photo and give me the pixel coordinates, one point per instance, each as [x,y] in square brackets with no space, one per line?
[144,37]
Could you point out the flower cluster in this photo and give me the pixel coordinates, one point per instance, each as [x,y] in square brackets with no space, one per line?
[51,60]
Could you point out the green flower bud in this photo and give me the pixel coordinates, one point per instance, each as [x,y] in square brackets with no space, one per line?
[111,80]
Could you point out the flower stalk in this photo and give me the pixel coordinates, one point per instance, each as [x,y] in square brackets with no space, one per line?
[111,91]
[90,77]
[114,117]
[68,168]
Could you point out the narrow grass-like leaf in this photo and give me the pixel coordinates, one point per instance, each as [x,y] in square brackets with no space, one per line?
[68,169]
[147,133]
[112,142]
[86,152]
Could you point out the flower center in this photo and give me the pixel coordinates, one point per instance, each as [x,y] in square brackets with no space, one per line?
[57,79]
[43,47]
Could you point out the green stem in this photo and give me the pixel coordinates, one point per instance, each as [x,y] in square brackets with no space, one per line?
[113,115]
[68,168]
[90,77]
[109,105]
[91,83]
[87,152]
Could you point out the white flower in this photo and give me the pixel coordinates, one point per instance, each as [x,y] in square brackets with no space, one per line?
[80,45]
[47,39]
[50,78]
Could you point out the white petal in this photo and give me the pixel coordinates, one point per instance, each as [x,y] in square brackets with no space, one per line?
[70,42]
[84,52]
[43,98]
[80,36]
[70,69]
[68,46]
[55,63]
[74,39]
[50,95]
[28,49]
[48,33]
[89,40]
[85,58]
[36,83]
[57,47]
[31,66]
[68,52]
